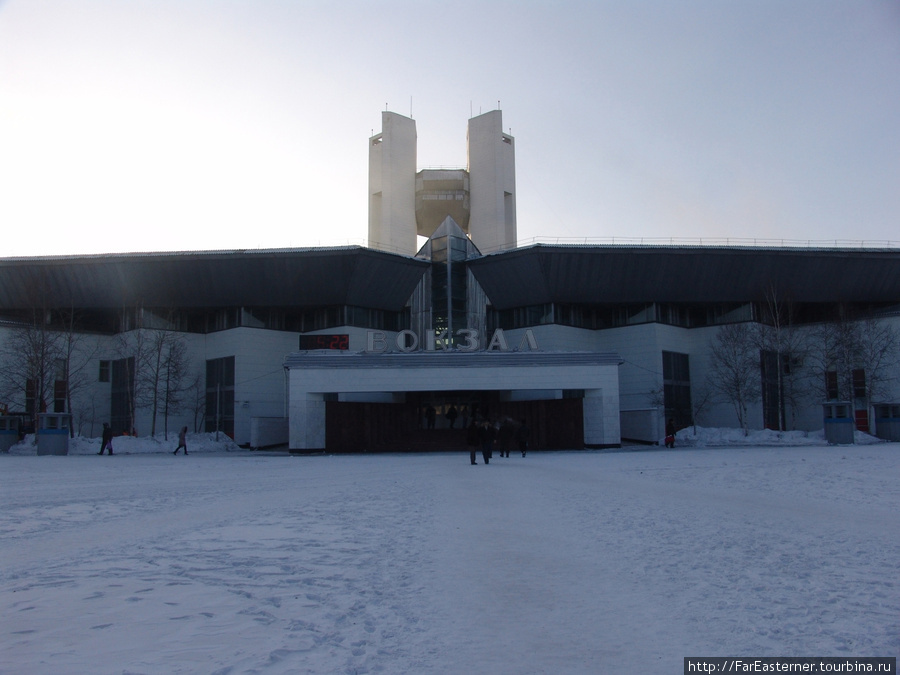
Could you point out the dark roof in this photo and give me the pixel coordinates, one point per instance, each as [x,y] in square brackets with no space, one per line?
[265,278]
[369,278]
[609,274]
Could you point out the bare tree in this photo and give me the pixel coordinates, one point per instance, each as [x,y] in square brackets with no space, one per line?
[833,355]
[781,347]
[853,360]
[158,342]
[78,352]
[133,349]
[195,398]
[657,397]
[163,368]
[175,371]
[12,370]
[822,358]
[735,375]
[33,363]
[878,353]
[701,398]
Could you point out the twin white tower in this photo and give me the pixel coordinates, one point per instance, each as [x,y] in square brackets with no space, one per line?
[404,204]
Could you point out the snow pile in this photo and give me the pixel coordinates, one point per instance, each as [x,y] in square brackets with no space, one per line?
[136,445]
[703,437]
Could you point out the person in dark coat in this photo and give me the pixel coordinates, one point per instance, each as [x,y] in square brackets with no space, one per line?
[106,440]
[452,414]
[472,440]
[430,414]
[487,434]
[670,433]
[522,437]
[182,441]
[504,437]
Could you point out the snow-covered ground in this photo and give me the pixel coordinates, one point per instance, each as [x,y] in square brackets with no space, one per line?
[229,561]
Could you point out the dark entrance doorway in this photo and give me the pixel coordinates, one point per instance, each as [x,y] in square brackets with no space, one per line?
[556,424]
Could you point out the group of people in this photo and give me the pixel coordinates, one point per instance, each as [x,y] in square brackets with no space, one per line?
[452,414]
[107,436]
[500,434]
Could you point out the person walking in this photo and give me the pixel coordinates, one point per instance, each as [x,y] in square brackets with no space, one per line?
[106,440]
[670,433]
[452,414]
[182,441]
[522,437]
[504,436]
[487,434]
[472,440]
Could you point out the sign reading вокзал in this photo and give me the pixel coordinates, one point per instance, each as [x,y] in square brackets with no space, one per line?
[469,341]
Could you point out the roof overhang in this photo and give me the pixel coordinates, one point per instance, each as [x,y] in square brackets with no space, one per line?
[609,274]
[262,278]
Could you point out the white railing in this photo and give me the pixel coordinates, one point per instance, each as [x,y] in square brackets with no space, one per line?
[730,242]
[658,242]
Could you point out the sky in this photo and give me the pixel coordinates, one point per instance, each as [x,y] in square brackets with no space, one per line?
[175,125]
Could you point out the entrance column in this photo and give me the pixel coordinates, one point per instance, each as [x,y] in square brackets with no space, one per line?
[601,420]
[307,426]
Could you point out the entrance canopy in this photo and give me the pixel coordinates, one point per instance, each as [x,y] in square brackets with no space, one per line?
[315,374]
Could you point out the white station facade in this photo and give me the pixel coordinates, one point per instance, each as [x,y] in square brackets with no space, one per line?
[347,348]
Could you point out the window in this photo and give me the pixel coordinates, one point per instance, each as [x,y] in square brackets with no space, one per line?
[121,392]
[831,385]
[449,284]
[31,397]
[104,371]
[859,383]
[677,388]
[774,366]
[220,395]
[59,396]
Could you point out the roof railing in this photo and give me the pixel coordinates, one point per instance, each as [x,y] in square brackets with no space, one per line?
[713,242]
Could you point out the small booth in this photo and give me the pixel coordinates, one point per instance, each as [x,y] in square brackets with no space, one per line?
[887,421]
[9,432]
[839,426]
[53,433]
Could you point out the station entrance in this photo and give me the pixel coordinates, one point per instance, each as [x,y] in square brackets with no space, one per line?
[380,402]
[553,424]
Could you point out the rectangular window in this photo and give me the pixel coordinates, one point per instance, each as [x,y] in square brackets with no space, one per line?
[31,397]
[220,395]
[104,371]
[774,366]
[859,383]
[59,396]
[676,367]
[831,385]
[121,392]
[677,388]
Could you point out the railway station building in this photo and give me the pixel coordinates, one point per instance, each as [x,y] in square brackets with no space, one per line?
[369,348]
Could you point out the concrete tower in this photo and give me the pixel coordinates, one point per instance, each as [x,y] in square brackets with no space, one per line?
[392,185]
[481,199]
[492,184]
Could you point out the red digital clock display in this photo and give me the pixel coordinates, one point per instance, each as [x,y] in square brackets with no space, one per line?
[324,342]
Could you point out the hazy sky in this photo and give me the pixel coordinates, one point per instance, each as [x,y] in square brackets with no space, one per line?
[187,124]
